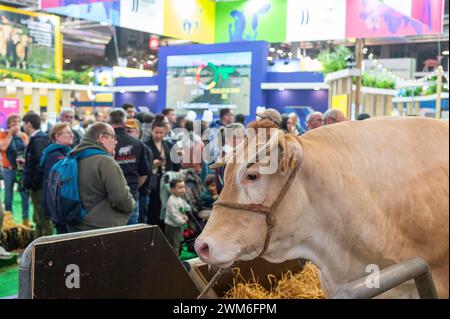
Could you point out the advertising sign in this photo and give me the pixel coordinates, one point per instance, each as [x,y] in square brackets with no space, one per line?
[45,4]
[30,44]
[190,20]
[142,15]
[209,82]
[105,11]
[251,20]
[340,102]
[7,107]
[312,20]
[393,18]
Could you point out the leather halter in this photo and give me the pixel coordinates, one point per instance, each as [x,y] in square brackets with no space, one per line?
[269,211]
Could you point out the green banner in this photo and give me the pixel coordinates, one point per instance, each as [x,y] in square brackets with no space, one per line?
[251,21]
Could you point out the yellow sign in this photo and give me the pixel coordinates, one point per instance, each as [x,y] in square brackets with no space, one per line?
[190,20]
[340,102]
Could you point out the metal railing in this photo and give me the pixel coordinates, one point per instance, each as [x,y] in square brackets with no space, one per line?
[391,277]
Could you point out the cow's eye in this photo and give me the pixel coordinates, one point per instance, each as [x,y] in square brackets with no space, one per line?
[252,176]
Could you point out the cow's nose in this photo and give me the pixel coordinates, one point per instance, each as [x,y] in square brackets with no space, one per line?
[202,250]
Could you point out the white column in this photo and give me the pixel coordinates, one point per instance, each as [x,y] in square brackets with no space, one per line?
[35,101]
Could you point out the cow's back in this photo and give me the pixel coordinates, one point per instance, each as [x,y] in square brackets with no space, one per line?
[401,166]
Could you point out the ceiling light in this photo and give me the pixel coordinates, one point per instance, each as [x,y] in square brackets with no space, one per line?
[445,52]
[316,88]
[280,89]
[269,58]
[272,49]
[67,61]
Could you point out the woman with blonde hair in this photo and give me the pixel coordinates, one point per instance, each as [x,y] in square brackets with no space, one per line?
[62,137]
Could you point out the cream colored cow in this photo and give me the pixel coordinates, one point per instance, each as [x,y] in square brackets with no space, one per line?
[366,192]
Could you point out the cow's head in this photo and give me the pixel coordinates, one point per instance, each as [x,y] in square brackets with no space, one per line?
[238,234]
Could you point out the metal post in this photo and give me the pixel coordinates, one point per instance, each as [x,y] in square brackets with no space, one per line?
[438,92]
[359,59]
[391,277]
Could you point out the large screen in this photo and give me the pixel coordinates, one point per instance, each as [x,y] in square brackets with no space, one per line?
[209,82]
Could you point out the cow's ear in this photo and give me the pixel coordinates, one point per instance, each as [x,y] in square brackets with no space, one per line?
[291,152]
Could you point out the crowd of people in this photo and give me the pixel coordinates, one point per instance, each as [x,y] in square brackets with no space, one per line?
[132,176]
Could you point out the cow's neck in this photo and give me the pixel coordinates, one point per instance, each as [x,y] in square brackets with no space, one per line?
[327,234]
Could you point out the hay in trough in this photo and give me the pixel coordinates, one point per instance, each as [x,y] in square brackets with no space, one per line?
[304,285]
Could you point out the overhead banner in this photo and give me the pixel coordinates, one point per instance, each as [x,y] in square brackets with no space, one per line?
[45,4]
[105,11]
[312,20]
[393,18]
[190,20]
[30,45]
[251,21]
[143,15]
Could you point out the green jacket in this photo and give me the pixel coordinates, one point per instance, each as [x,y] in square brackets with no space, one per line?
[103,189]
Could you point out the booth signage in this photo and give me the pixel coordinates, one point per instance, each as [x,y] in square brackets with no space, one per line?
[251,20]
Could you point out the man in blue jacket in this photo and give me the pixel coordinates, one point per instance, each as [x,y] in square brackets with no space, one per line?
[33,174]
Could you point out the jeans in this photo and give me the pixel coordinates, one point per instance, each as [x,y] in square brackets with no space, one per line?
[143,207]
[134,217]
[9,176]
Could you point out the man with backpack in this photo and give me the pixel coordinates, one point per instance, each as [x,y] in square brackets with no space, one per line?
[33,174]
[103,190]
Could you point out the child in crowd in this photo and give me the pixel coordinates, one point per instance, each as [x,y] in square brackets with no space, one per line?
[176,217]
[210,195]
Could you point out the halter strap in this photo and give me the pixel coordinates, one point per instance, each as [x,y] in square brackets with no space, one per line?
[269,211]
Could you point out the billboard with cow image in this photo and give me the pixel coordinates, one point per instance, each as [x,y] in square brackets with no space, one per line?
[209,82]
[30,45]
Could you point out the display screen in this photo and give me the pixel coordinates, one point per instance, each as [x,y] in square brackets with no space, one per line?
[209,82]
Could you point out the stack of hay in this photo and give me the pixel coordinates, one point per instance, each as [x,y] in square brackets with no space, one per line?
[304,285]
[15,236]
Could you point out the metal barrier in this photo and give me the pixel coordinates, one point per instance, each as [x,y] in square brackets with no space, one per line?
[133,261]
[391,277]
[26,260]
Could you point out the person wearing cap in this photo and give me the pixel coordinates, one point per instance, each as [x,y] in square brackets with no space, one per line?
[133,128]
[271,115]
